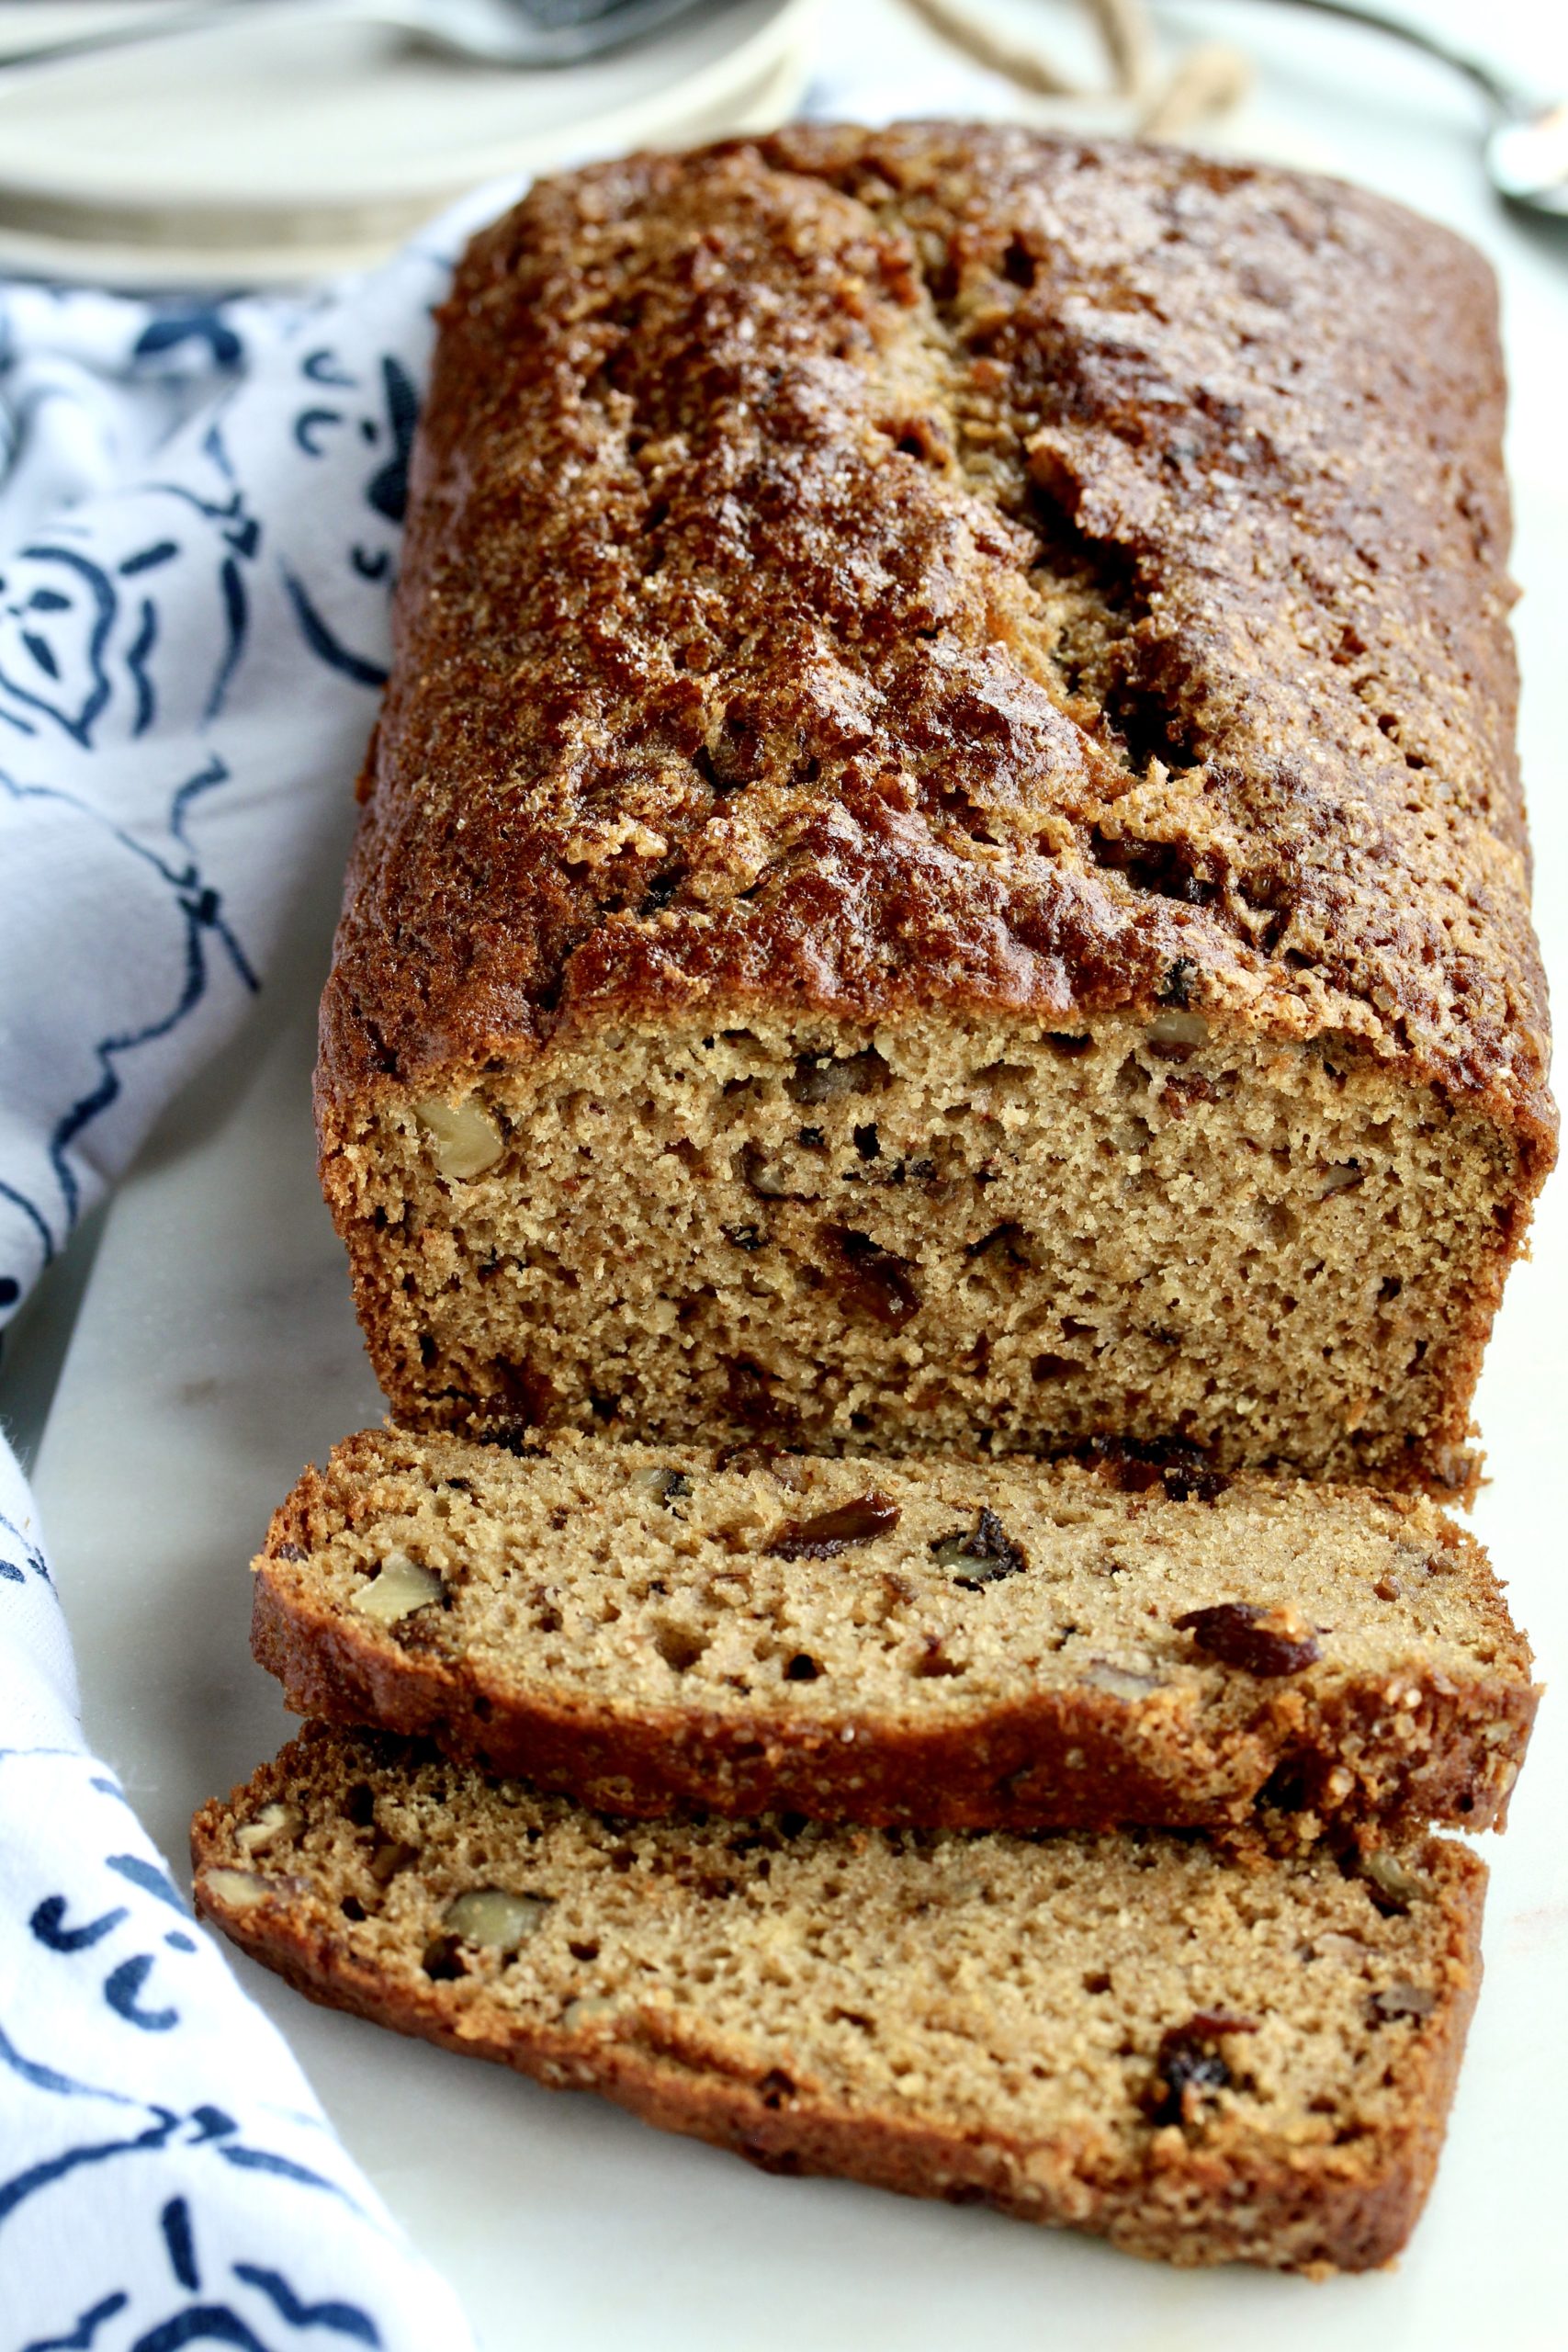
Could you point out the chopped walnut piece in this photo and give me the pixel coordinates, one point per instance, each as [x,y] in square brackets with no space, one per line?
[666,1485]
[273,1825]
[465,1140]
[239,1890]
[492,1917]
[401,1587]
[1401,2001]
[1173,1036]
[1122,1681]
[765,1174]
[590,2008]
[1394,1887]
[389,1856]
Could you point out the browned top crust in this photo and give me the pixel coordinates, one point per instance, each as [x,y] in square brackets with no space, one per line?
[860,570]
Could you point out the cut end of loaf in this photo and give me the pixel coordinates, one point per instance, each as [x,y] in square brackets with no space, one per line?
[1203,2058]
[940,1233]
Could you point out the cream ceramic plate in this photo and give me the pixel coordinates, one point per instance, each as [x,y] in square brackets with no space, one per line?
[273,148]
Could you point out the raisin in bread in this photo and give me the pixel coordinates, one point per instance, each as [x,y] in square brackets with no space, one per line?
[943,851]
[1203,2059]
[965,1644]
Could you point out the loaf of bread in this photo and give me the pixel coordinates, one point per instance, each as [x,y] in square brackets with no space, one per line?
[1202,2059]
[949,1644]
[943,856]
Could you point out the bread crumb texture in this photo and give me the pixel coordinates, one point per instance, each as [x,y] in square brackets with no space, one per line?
[936,1642]
[943,850]
[1203,2057]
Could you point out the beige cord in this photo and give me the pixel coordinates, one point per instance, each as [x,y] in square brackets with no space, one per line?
[1128,36]
[1209,80]
[1020,61]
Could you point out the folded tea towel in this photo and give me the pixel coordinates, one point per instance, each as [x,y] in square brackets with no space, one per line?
[199,518]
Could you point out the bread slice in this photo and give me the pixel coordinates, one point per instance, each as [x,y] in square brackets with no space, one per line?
[954,1643]
[1205,2059]
[943,850]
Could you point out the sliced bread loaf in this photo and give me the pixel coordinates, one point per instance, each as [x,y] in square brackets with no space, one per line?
[938,1642]
[1202,2058]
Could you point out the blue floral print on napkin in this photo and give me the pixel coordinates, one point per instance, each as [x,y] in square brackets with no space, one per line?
[199,515]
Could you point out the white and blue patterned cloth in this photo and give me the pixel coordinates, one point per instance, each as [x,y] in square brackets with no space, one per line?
[199,506]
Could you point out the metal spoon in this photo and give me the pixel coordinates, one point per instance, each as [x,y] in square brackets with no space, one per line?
[488,33]
[1527,149]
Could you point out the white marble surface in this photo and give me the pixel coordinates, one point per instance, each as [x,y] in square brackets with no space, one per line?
[215,1351]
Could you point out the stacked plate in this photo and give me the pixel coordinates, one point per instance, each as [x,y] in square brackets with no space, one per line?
[275,145]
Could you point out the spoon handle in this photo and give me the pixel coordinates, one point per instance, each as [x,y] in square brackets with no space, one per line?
[1504,95]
